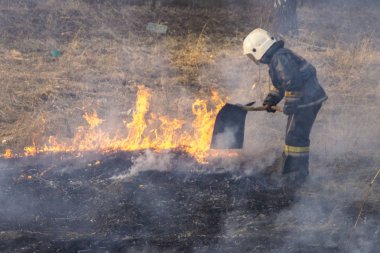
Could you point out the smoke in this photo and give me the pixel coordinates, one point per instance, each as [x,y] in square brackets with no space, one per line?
[149,160]
[344,139]
[227,138]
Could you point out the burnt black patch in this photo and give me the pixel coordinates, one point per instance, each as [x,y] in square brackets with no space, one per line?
[54,203]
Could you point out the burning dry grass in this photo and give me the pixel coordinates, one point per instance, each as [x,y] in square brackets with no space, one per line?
[106,57]
[102,64]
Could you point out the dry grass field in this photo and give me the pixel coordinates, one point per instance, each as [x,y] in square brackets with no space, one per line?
[106,54]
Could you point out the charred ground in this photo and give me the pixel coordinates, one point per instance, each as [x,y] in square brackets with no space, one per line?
[58,203]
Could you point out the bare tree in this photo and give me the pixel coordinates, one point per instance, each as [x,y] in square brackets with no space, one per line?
[285,17]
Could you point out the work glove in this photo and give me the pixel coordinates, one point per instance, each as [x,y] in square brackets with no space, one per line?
[268,107]
[290,108]
[270,101]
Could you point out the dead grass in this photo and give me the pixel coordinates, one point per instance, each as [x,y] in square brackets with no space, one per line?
[106,54]
[349,59]
[196,53]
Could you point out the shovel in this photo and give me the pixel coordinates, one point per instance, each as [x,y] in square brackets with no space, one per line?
[230,124]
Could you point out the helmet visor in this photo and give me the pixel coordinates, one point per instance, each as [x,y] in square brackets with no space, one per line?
[250,56]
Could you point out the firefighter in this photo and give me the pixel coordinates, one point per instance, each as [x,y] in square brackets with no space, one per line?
[294,79]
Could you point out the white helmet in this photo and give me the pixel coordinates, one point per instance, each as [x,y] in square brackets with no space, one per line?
[257,43]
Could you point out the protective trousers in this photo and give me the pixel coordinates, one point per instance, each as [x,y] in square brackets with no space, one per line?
[297,141]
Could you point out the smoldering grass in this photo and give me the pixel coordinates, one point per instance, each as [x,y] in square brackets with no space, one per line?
[150,160]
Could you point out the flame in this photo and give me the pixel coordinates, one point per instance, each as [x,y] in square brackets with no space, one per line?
[92,120]
[145,131]
[30,150]
[138,125]
[203,126]
[8,154]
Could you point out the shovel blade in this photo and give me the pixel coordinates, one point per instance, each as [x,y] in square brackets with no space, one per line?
[229,128]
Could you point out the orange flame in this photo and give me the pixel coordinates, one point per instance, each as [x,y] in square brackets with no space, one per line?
[145,131]
[138,125]
[93,120]
[30,150]
[8,154]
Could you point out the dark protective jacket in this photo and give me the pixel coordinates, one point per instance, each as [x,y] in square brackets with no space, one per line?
[293,78]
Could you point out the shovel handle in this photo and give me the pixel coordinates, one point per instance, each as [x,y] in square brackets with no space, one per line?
[262,108]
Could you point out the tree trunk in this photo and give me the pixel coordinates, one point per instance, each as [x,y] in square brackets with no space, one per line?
[285,17]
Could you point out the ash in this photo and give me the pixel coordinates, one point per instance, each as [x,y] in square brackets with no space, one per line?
[57,203]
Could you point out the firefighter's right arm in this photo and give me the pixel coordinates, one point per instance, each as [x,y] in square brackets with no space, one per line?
[273,98]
